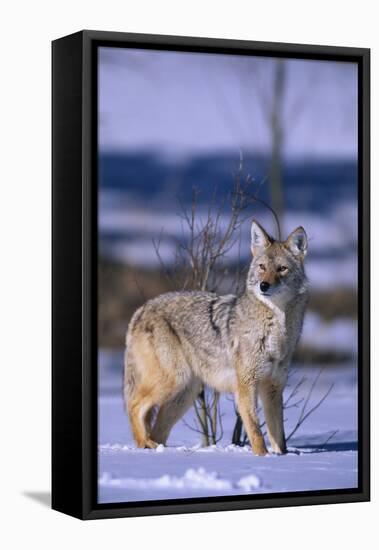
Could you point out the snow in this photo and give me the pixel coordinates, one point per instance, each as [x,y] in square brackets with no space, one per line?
[192,479]
[248,483]
[332,238]
[340,334]
[184,469]
[121,214]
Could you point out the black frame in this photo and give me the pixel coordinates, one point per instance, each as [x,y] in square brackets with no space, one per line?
[74,270]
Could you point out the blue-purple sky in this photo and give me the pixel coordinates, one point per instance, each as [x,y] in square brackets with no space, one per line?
[184,103]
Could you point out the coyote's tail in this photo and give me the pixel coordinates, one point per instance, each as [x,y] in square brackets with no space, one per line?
[129,377]
[129,363]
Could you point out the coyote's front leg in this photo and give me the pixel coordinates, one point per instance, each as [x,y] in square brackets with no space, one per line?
[247,406]
[272,399]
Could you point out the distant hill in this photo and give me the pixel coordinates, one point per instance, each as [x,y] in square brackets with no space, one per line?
[313,185]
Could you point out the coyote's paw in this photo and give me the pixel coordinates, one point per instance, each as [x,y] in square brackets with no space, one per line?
[260,450]
[151,444]
[278,451]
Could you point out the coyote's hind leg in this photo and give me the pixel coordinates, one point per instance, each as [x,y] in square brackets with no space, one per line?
[171,411]
[154,378]
[139,410]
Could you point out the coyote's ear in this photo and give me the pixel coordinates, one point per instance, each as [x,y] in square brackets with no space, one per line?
[259,238]
[297,243]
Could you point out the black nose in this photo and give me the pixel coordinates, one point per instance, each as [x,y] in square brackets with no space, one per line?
[264,286]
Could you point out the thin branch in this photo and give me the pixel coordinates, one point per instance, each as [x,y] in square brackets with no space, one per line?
[304,414]
[156,245]
[329,438]
[140,290]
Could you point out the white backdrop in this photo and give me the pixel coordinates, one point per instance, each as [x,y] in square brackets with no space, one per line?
[27,29]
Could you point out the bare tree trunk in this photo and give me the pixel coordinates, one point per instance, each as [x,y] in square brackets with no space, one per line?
[214,417]
[277,138]
[237,431]
[204,418]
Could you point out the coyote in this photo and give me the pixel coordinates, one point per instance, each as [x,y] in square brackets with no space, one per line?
[240,344]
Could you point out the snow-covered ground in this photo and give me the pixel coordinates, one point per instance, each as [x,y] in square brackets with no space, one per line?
[339,334]
[185,470]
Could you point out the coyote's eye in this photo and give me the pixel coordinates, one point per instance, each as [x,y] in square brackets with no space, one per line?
[282,269]
[262,267]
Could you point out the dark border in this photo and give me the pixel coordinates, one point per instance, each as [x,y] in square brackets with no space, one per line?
[87,450]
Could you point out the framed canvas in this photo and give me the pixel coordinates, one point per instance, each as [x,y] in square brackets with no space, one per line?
[210,275]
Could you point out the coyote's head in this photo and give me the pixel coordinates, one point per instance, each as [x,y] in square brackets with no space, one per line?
[277,272]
